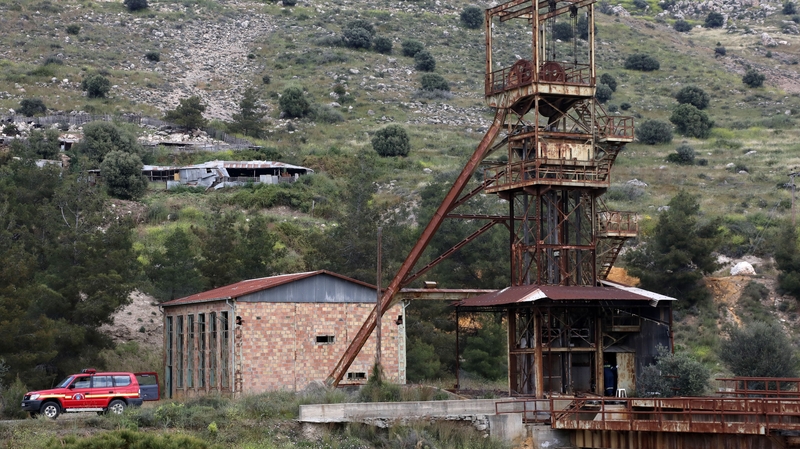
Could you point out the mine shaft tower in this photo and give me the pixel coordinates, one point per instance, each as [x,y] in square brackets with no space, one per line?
[552,146]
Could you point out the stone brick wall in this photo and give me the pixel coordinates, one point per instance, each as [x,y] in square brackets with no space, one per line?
[280,348]
[283,346]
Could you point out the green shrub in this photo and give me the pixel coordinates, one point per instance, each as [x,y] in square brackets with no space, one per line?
[653,132]
[289,2]
[719,51]
[11,397]
[153,56]
[383,45]
[675,374]
[714,20]
[562,31]
[609,81]
[472,17]
[378,390]
[188,113]
[96,86]
[753,78]
[266,79]
[135,5]
[789,8]
[411,47]
[293,102]
[683,155]
[641,4]
[391,141]
[358,34]
[122,173]
[682,26]
[53,60]
[326,114]
[625,106]
[759,350]
[603,93]
[424,61]
[694,96]
[690,121]
[434,81]
[32,106]
[73,29]
[642,62]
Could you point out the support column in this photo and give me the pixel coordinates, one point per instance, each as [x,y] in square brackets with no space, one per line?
[513,368]
[538,364]
[598,359]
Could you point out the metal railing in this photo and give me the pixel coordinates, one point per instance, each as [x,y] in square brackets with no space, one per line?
[756,416]
[521,74]
[765,387]
[553,170]
[617,223]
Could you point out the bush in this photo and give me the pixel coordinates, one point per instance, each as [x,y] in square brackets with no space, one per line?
[383,45]
[694,96]
[73,29]
[391,141]
[753,78]
[562,31]
[32,106]
[96,86]
[789,8]
[714,20]
[294,103]
[625,106]
[759,350]
[152,56]
[424,61]
[682,26]
[412,47]
[642,62]
[673,374]
[11,398]
[266,79]
[135,5]
[122,173]
[126,438]
[641,4]
[690,121]
[612,107]
[602,93]
[683,155]
[289,2]
[188,114]
[358,34]
[719,51]
[472,17]
[654,132]
[609,81]
[434,81]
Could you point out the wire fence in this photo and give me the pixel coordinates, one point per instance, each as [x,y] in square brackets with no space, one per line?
[79,119]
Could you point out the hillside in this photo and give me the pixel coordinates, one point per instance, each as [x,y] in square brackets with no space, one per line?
[216,50]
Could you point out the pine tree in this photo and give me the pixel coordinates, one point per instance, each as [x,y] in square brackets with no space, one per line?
[248,120]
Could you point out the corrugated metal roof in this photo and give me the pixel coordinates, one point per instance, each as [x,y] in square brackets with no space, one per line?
[229,164]
[251,286]
[531,293]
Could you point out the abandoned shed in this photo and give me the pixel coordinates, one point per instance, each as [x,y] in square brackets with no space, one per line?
[218,174]
[274,333]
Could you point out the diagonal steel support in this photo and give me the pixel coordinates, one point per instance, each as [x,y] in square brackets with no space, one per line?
[436,221]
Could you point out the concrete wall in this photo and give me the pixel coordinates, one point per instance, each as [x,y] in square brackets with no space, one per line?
[320,413]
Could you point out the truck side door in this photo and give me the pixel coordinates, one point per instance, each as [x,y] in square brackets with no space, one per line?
[79,393]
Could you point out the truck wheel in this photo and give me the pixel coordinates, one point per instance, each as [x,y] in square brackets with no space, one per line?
[116,407]
[50,410]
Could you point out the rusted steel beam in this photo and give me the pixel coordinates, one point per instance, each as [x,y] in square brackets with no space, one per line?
[400,278]
[449,252]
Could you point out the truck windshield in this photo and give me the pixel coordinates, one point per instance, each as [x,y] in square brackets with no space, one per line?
[65,382]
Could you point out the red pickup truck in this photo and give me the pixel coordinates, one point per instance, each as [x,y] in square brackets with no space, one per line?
[91,391]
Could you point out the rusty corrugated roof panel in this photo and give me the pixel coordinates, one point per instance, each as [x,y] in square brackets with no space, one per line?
[530,293]
[251,286]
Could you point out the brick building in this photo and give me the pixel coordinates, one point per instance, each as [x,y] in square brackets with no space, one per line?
[276,333]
